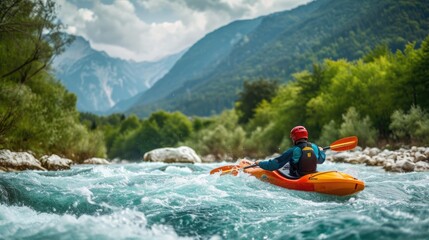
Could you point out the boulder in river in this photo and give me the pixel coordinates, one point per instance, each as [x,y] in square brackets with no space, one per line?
[55,162]
[97,161]
[172,155]
[18,161]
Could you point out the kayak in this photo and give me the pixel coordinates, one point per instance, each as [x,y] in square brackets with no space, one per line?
[326,182]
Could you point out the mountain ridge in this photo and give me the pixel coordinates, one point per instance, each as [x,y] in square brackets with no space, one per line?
[305,35]
[181,71]
[101,82]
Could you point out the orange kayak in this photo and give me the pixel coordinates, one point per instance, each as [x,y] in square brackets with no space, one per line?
[327,182]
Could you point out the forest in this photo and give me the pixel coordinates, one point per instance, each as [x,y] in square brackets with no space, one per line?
[381,98]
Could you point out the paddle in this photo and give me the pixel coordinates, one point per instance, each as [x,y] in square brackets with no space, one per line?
[224,168]
[343,144]
[229,168]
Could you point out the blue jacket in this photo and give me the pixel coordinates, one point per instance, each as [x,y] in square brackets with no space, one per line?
[292,154]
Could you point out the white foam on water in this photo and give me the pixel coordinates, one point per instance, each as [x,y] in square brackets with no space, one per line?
[24,222]
[178,170]
[86,193]
[106,171]
[140,201]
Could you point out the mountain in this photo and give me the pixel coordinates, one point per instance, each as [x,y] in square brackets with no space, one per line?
[280,44]
[201,58]
[101,82]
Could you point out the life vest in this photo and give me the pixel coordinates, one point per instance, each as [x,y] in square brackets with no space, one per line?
[308,162]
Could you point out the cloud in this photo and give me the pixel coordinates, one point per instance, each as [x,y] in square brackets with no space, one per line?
[86,15]
[152,29]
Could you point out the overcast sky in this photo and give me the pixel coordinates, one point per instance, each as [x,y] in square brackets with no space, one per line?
[151,29]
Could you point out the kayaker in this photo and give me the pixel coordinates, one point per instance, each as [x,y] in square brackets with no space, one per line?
[301,159]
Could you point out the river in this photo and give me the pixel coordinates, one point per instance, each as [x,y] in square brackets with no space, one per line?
[182,201]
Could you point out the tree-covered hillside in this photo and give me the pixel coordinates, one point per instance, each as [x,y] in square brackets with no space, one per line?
[291,41]
[381,98]
[37,113]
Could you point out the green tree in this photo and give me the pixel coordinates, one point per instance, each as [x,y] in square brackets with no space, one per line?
[130,123]
[402,77]
[30,35]
[223,138]
[353,124]
[173,127]
[330,133]
[411,127]
[29,38]
[269,129]
[134,137]
[419,82]
[254,92]
[310,85]
[36,112]
[377,52]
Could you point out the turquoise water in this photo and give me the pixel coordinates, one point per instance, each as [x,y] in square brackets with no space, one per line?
[180,201]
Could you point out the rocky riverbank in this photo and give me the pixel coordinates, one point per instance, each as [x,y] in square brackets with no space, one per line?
[401,160]
[20,161]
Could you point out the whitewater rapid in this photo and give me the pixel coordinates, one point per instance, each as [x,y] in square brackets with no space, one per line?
[182,201]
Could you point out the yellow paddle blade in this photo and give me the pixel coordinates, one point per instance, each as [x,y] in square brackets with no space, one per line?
[224,169]
[231,169]
[344,144]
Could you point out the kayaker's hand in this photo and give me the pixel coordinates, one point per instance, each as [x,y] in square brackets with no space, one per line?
[321,149]
[257,162]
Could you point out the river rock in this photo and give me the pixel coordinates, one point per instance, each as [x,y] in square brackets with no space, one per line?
[393,156]
[18,161]
[209,158]
[371,151]
[419,157]
[379,160]
[55,162]
[97,161]
[405,165]
[340,157]
[172,155]
[426,153]
[389,165]
[347,157]
[421,166]
[369,161]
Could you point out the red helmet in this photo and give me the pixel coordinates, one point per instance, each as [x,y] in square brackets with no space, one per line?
[298,132]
